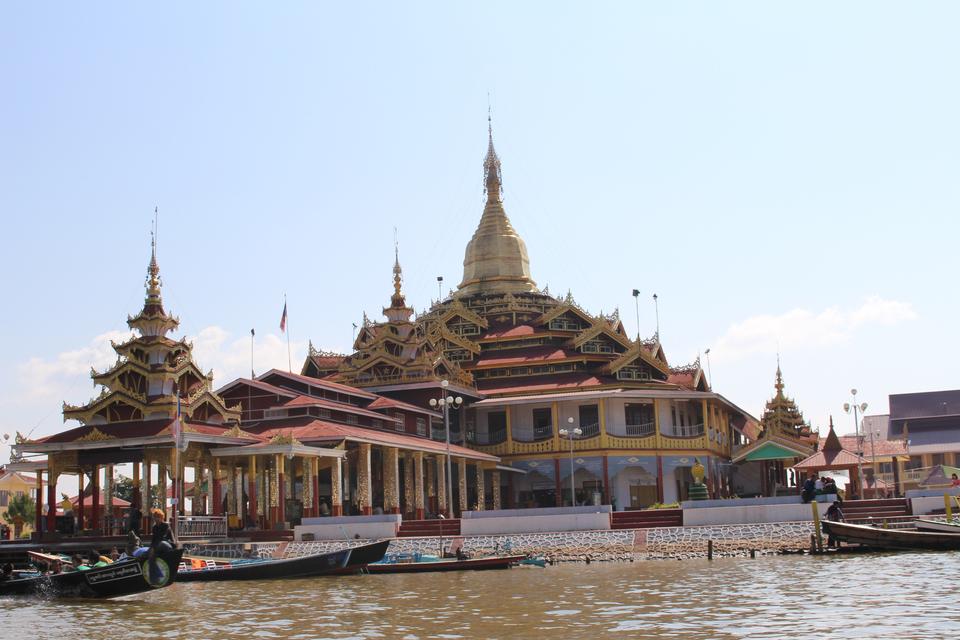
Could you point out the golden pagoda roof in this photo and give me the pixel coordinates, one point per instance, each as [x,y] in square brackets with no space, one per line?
[496,257]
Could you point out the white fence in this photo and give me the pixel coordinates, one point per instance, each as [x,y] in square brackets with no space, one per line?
[201,527]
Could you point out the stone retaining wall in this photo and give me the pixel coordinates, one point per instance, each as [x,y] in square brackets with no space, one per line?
[570,546]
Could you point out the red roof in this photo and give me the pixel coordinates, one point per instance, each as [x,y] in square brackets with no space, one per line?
[310,401]
[318,382]
[88,500]
[384,402]
[322,431]
[555,382]
[525,356]
[878,448]
[509,332]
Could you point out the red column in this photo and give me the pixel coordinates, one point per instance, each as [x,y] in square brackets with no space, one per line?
[80,502]
[95,505]
[660,479]
[606,482]
[556,478]
[38,519]
[147,475]
[282,496]
[52,501]
[217,498]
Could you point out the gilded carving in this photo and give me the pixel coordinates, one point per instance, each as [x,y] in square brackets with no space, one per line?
[95,435]
[363,477]
[391,499]
[418,480]
[408,487]
[462,484]
[335,486]
[481,489]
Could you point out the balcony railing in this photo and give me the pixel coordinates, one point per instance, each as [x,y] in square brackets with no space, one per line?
[492,437]
[590,430]
[641,430]
[688,431]
[543,432]
[202,527]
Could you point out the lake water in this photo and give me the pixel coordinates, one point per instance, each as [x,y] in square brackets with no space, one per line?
[905,595]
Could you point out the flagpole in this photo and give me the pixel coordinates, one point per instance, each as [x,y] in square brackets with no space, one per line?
[176,464]
[289,360]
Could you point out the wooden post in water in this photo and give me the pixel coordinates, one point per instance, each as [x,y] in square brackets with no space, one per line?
[709,549]
[816,526]
[753,553]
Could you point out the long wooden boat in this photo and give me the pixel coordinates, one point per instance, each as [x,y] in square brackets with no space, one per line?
[470,564]
[940,526]
[364,555]
[890,538]
[121,578]
[302,567]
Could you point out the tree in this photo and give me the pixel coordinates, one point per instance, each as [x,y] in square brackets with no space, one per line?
[123,489]
[20,509]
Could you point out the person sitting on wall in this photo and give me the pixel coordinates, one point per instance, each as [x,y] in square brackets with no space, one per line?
[829,486]
[324,509]
[809,489]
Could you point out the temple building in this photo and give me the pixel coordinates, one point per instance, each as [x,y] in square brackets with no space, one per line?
[256,454]
[543,382]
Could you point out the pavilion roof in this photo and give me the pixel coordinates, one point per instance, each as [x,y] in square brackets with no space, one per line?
[312,430]
[772,447]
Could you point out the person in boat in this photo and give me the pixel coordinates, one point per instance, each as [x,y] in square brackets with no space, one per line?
[834,514]
[954,480]
[134,517]
[114,554]
[163,537]
[96,560]
[79,563]
[133,549]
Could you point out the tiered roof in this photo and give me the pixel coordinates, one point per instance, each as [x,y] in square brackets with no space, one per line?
[152,372]
[500,335]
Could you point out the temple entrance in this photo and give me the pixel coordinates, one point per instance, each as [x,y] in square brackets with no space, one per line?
[642,495]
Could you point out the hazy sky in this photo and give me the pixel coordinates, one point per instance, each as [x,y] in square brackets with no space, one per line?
[781,175]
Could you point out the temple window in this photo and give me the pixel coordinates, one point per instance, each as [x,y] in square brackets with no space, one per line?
[421,426]
[542,424]
[352,418]
[324,413]
[633,373]
[565,324]
[496,425]
[596,346]
[589,419]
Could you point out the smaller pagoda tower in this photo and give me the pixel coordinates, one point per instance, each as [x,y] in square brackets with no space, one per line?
[781,416]
[153,373]
[396,351]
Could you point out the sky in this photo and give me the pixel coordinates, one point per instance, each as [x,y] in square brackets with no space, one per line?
[781,175]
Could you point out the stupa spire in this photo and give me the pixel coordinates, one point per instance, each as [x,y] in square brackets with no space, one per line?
[492,179]
[398,311]
[496,257]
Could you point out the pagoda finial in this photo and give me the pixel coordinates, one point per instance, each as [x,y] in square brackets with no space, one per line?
[397,298]
[153,282]
[491,165]
[779,383]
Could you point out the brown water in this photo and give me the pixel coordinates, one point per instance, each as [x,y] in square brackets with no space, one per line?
[907,595]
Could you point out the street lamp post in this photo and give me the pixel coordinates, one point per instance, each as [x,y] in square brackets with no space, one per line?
[853,406]
[569,434]
[445,401]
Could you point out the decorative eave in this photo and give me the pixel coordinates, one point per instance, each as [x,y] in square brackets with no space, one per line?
[562,308]
[84,413]
[444,333]
[637,350]
[600,326]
